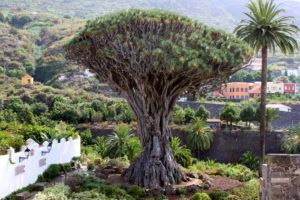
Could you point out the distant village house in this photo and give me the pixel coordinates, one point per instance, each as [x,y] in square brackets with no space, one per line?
[27,80]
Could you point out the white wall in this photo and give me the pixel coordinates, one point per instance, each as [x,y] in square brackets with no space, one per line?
[10,181]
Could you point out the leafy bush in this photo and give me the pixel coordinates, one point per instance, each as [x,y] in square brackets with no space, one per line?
[101,146]
[56,192]
[136,191]
[89,195]
[200,136]
[134,148]
[202,113]
[178,115]
[238,172]
[39,108]
[200,196]
[233,197]
[189,115]
[218,195]
[182,155]
[118,142]
[250,160]
[249,191]
[291,141]
[51,172]
[86,137]
[8,140]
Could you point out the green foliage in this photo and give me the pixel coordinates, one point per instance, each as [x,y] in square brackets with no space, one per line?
[232,197]
[218,195]
[245,76]
[189,115]
[230,113]
[249,191]
[136,192]
[8,140]
[202,113]
[182,154]
[20,20]
[86,137]
[247,114]
[39,108]
[200,196]
[101,146]
[89,195]
[178,115]
[291,141]
[271,115]
[250,160]
[238,172]
[134,148]
[56,192]
[200,136]
[51,172]
[119,141]
[266,26]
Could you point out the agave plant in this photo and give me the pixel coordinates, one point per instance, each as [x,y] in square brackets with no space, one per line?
[291,142]
[118,142]
[182,154]
[200,136]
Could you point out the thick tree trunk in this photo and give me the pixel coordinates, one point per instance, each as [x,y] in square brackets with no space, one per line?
[262,127]
[156,167]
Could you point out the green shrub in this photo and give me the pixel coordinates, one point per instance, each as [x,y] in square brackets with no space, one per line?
[250,160]
[182,154]
[39,108]
[202,113]
[136,191]
[181,191]
[86,137]
[291,141]
[178,115]
[238,172]
[8,140]
[121,162]
[56,192]
[233,197]
[89,195]
[101,146]
[200,196]
[189,115]
[249,191]
[200,136]
[133,148]
[218,195]
[51,172]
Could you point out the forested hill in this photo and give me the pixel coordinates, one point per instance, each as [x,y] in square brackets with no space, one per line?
[218,13]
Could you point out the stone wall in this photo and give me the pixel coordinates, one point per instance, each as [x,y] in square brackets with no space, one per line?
[227,146]
[281,177]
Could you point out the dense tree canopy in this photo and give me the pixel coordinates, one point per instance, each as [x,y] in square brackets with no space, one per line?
[154,56]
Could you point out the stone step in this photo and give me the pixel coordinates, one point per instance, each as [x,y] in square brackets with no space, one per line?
[40,186]
[23,196]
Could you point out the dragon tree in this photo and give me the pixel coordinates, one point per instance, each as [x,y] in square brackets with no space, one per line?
[154,56]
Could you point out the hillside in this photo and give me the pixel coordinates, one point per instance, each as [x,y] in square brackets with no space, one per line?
[218,13]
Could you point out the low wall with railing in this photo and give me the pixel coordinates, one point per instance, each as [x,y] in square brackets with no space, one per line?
[18,170]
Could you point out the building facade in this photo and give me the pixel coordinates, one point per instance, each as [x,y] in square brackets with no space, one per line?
[290,88]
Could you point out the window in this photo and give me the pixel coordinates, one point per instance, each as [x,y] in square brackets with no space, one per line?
[246,89]
[242,89]
[237,89]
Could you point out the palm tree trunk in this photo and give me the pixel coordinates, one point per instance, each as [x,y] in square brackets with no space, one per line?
[262,127]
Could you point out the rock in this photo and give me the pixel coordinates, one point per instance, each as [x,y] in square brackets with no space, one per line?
[169,189]
[101,175]
[192,188]
[73,180]
[23,196]
[39,186]
[193,175]
[206,186]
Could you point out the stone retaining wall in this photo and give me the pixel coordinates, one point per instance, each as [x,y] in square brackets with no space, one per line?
[281,177]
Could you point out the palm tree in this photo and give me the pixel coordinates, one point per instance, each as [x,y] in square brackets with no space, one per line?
[265,28]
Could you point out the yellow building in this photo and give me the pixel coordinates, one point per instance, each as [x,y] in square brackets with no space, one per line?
[26,80]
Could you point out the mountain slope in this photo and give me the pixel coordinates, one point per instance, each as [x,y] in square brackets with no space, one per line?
[223,14]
